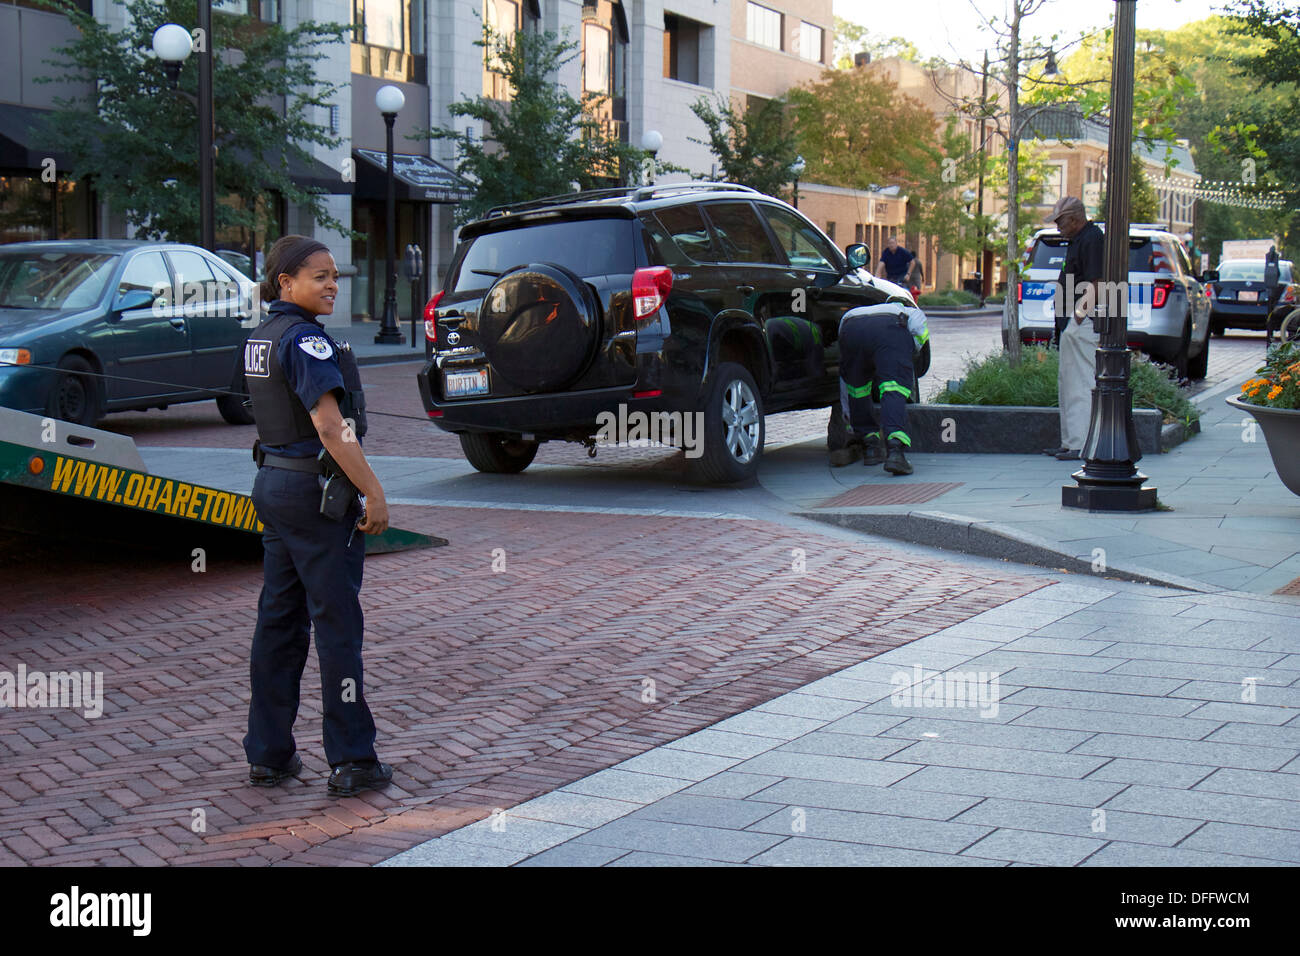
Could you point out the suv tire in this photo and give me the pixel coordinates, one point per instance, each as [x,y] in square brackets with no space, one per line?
[1179,359]
[539,326]
[497,454]
[732,408]
[1199,367]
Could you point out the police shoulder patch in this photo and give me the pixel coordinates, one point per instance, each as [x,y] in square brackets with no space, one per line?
[317,346]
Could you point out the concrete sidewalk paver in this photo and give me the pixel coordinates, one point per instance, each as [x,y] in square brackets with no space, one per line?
[1087,765]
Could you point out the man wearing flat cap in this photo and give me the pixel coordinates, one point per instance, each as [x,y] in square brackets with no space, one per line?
[1075,335]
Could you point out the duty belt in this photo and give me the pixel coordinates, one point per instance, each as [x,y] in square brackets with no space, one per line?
[311,466]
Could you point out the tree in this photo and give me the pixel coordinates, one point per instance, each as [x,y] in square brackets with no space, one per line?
[1274,109]
[946,165]
[134,139]
[857,131]
[755,147]
[543,139]
[1143,203]
[852,38]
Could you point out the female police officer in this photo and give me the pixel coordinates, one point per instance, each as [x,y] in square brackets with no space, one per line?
[306,396]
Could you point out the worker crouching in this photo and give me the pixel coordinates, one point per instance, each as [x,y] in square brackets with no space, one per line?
[883,349]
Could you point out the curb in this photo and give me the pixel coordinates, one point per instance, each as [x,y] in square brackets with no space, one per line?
[989,539]
[957,311]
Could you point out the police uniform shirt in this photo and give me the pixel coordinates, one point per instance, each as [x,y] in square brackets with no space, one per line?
[310,363]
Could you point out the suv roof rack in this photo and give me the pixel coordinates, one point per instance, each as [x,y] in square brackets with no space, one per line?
[646,192]
[635,193]
[563,199]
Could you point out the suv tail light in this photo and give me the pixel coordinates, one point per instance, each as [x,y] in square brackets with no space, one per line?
[1289,294]
[431,317]
[1020,292]
[1209,290]
[1160,292]
[650,288]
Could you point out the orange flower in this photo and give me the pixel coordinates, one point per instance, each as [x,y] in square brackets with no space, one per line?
[1274,392]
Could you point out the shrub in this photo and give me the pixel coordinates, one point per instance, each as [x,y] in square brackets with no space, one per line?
[992,380]
[948,297]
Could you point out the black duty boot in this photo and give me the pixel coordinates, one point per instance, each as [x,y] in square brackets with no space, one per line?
[875,450]
[896,462]
[848,454]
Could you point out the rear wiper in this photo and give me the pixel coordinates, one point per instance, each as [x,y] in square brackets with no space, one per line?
[486,272]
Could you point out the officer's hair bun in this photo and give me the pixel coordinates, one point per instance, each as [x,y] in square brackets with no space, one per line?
[286,257]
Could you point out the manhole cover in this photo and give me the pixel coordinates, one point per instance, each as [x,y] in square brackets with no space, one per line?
[865,496]
[1292,588]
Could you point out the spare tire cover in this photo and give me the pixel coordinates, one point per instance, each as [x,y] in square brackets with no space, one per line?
[539,326]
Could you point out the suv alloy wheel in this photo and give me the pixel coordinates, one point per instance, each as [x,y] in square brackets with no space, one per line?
[733,426]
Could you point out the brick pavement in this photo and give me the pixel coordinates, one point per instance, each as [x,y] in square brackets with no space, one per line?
[488,688]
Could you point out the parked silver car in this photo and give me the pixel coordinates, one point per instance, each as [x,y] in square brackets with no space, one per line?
[1168,307]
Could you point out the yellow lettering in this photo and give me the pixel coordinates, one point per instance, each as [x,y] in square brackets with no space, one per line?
[240,511]
[195,498]
[183,492]
[109,479]
[85,479]
[223,505]
[63,468]
[150,496]
[134,485]
[165,498]
[207,504]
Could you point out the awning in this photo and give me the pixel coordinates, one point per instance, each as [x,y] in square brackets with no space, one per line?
[18,134]
[18,126]
[311,174]
[418,178]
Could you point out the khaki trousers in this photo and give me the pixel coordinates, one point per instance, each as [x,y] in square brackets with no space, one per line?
[1076,379]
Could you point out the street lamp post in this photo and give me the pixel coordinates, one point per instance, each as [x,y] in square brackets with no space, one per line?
[985,256]
[389,100]
[652,141]
[797,167]
[1109,479]
[172,44]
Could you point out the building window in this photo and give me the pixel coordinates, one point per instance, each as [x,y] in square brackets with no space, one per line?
[85,6]
[268,11]
[1053,183]
[858,229]
[810,41]
[502,18]
[682,48]
[387,38]
[604,62]
[763,26]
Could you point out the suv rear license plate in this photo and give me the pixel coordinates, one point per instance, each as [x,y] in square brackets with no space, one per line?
[1247,296]
[465,384]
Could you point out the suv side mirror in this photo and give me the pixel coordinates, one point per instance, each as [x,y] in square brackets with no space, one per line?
[1210,275]
[858,255]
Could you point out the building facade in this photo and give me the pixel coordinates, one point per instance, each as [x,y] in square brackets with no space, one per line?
[650,58]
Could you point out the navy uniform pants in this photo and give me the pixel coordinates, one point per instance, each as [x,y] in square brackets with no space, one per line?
[312,576]
[876,350]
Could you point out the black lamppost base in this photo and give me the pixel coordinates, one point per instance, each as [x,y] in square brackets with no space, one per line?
[1127,497]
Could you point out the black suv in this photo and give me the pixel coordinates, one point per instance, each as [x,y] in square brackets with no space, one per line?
[692,297]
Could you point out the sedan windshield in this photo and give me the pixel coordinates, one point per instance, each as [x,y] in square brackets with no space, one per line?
[53,280]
